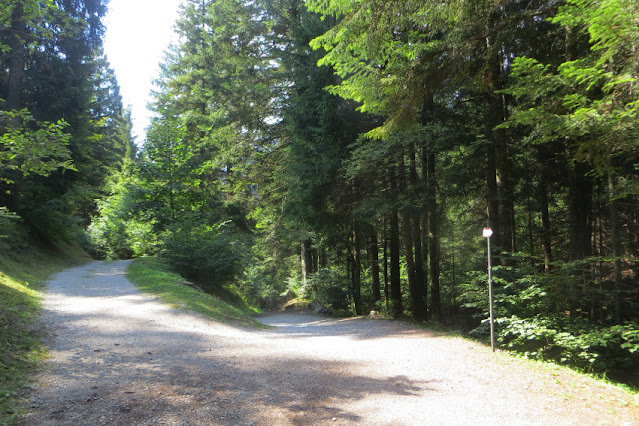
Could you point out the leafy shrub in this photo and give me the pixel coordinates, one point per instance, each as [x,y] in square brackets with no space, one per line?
[533,316]
[12,233]
[113,237]
[573,341]
[54,223]
[328,288]
[109,238]
[211,255]
[121,230]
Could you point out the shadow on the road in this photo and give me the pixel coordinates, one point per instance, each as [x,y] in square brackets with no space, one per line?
[143,370]
[119,357]
[307,325]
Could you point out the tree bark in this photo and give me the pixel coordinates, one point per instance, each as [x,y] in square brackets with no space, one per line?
[322,260]
[579,206]
[505,186]
[492,198]
[427,116]
[420,276]
[304,261]
[394,243]
[544,185]
[386,256]
[434,237]
[374,259]
[16,59]
[499,186]
[308,258]
[356,276]
[616,247]
[407,234]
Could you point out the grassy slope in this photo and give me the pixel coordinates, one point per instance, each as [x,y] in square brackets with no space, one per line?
[24,269]
[153,276]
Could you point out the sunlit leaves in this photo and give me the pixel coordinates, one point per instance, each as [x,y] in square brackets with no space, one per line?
[32,147]
[591,99]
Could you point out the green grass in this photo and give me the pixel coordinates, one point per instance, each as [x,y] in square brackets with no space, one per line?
[153,276]
[24,268]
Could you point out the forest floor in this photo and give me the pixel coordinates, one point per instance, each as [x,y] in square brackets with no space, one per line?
[120,357]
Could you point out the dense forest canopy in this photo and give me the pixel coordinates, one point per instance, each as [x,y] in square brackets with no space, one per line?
[351,153]
[63,129]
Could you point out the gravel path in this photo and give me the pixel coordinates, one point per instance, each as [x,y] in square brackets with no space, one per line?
[121,357]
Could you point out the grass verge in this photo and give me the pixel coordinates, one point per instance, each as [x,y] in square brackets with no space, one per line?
[23,272]
[153,276]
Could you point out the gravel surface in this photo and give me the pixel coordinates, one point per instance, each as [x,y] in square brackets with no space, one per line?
[121,357]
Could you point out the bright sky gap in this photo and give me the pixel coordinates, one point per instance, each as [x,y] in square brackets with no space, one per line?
[138,33]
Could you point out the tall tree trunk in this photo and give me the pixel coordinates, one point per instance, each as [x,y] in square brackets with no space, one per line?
[16,58]
[374,259]
[420,276]
[579,209]
[386,256]
[579,206]
[356,276]
[309,259]
[428,110]
[322,259]
[408,242]
[579,186]
[505,188]
[600,302]
[544,187]
[394,243]
[492,197]
[531,232]
[616,247]
[425,233]
[315,257]
[579,198]
[304,259]
[171,184]
[545,225]
[434,237]
[499,186]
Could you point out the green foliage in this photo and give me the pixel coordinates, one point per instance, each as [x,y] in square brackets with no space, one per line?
[63,115]
[120,230]
[329,288]
[533,316]
[32,147]
[54,223]
[255,148]
[592,99]
[20,347]
[211,255]
[265,279]
[575,342]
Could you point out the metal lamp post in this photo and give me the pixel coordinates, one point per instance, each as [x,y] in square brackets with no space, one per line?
[487,233]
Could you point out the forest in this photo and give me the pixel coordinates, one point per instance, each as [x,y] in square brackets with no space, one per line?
[348,154]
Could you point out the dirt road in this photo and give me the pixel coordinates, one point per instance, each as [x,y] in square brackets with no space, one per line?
[121,357]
